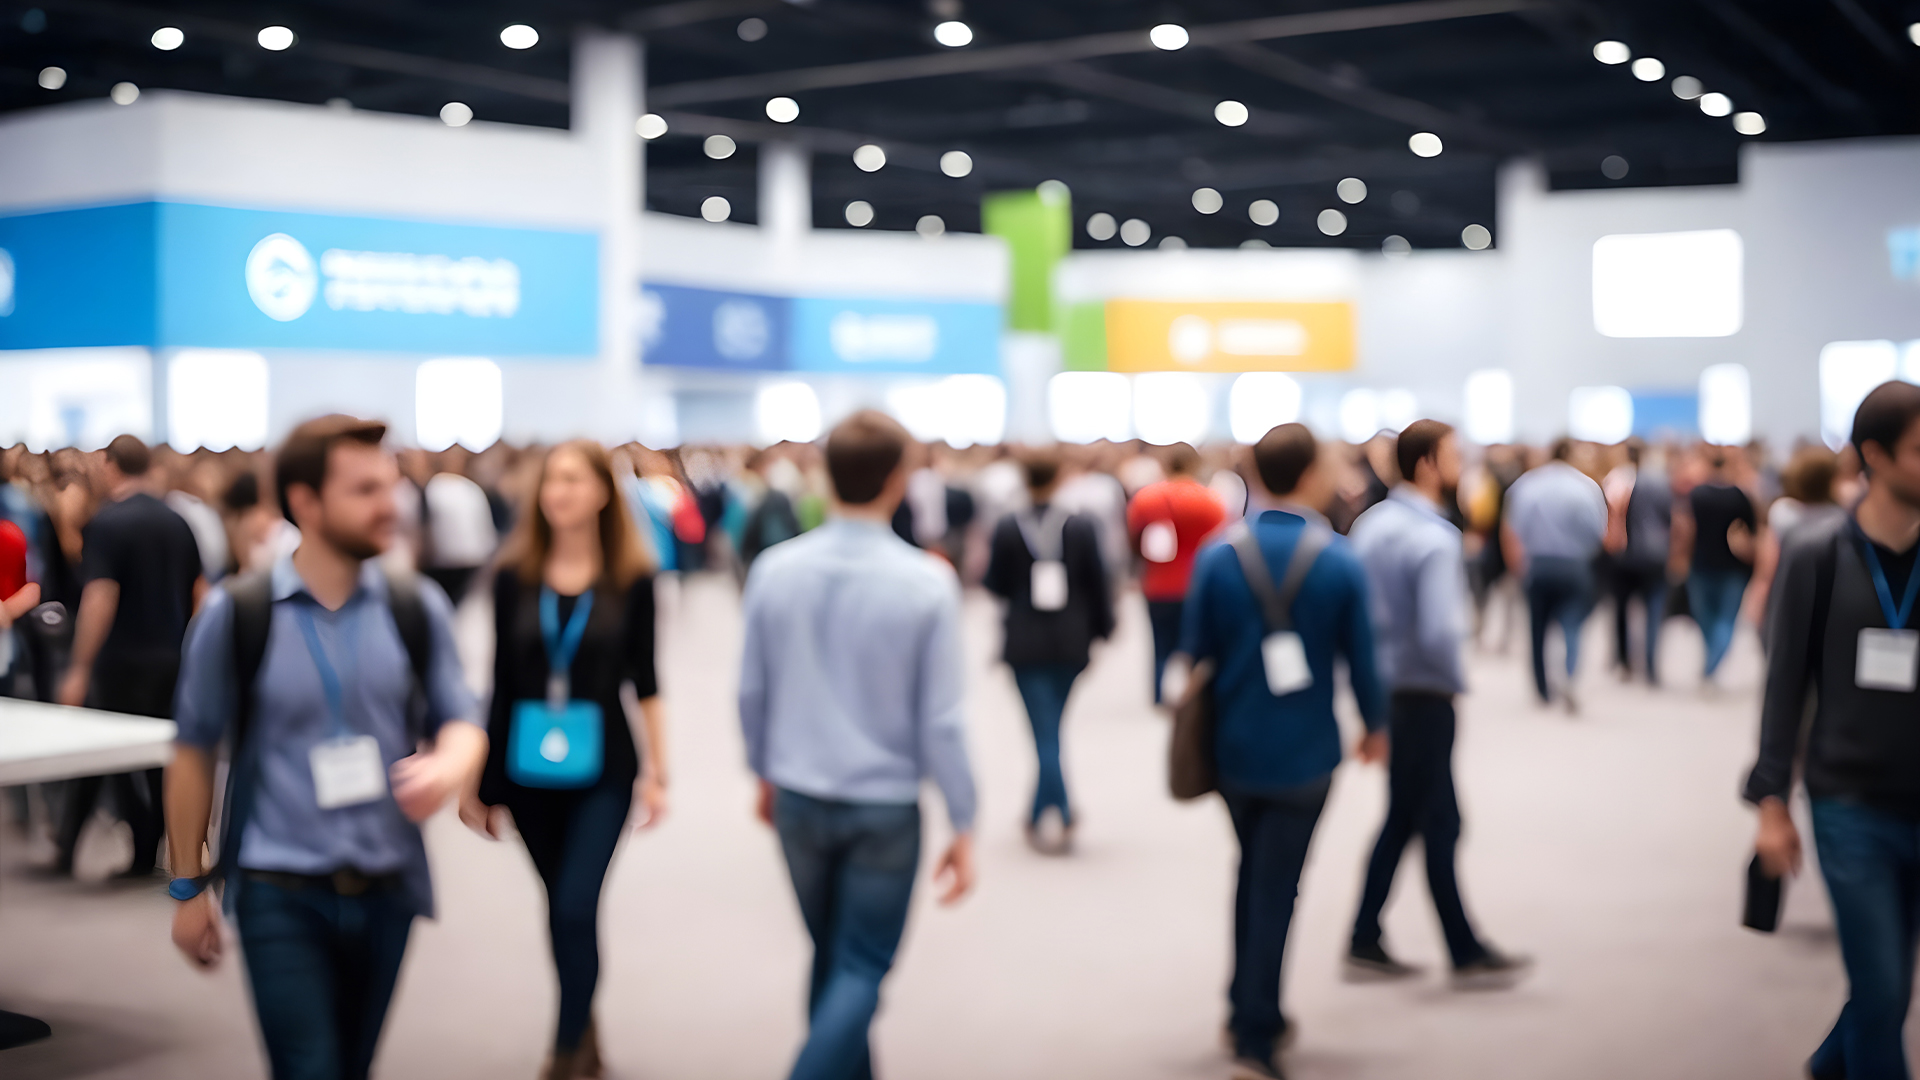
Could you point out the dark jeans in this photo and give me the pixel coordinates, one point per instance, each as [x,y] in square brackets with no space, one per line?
[1558,591]
[140,688]
[1044,689]
[322,967]
[1274,829]
[1714,596]
[1649,584]
[1871,860]
[1420,801]
[1164,617]
[571,838]
[853,866]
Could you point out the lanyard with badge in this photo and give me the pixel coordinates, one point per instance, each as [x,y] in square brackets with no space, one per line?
[1888,659]
[347,768]
[1047,585]
[557,742]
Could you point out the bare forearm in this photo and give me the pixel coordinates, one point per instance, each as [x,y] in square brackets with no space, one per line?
[189,798]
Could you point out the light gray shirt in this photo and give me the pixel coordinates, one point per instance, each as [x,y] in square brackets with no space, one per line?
[852,679]
[1558,512]
[1418,591]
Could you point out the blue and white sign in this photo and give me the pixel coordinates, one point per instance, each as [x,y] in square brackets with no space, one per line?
[178,274]
[1903,252]
[706,328]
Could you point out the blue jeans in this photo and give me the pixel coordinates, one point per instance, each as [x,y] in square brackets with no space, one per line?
[1274,829]
[1650,584]
[1714,596]
[1558,591]
[1163,616]
[853,866]
[1871,860]
[322,968]
[1044,689]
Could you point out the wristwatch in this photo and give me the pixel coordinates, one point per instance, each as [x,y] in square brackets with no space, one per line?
[186,888]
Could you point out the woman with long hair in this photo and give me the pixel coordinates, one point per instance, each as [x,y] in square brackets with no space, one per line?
[574,624]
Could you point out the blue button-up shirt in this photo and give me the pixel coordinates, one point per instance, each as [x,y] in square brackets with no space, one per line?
[1262,742]
[852,680]
[1558,512]
[1418,585]
[285,829]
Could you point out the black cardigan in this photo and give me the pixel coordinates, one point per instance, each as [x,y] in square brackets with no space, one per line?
[1051,637]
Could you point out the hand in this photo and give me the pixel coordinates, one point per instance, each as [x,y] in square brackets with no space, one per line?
[956,866]
[764,808]
[73,688]
[651,794]
[15,607]
[1372,747]
[196,930]
[423,782]
[478,816]
[1778,842]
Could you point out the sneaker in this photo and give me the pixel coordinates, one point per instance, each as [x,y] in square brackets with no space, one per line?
[1569,701]
[1289,1034]
[1493,971]
[1246,1068]
[1370,963]
[1051,835]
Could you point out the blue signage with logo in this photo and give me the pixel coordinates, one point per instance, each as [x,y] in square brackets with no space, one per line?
[705,328]
[164,274]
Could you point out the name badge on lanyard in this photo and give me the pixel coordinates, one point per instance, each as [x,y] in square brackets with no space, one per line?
[1889,659]
[1285,658]
[1049,585]
[348,769]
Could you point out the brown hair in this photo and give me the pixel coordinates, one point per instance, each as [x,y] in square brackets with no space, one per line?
[1809,474]
[129,455]
[1041,466]
[1181,459]
[623,559]
[1418,442]
[862,452]
[303,457]
[1884,416]
[1283,455]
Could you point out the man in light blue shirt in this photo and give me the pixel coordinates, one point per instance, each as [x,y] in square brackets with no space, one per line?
[851,692]
[1556,519]
[1418,587]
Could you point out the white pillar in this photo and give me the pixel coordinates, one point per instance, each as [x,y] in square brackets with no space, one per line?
[608,84]
[786,191]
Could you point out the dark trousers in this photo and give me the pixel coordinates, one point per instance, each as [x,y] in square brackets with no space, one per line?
[1649,585]
[1164,617]
[1044,689]
[1714,597]
[1871,861]
[1420,801]
[1274,829]
[853,866]
[571,838]
[1558,591]
[322,967]
[139,688]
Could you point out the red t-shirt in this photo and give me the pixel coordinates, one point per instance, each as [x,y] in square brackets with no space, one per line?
[13,559]
[1193,511]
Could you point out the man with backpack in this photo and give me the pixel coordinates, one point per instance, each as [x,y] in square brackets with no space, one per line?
[1271,610]
[339,693]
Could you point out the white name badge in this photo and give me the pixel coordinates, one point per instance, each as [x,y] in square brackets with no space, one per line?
[1887,660]
[348,772]
[1285,656]
[1159,542]
[1049,585]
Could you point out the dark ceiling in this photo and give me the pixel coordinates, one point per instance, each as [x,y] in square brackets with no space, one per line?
[1072,90]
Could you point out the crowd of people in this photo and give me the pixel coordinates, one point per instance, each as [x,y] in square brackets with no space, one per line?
[293,612]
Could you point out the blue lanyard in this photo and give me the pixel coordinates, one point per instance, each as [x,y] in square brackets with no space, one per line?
[562,645]
[1896,617]
[330,683]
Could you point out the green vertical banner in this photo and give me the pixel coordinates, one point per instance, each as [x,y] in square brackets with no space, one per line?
[1038,227]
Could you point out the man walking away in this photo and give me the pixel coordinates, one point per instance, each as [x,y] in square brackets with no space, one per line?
[1640,538]
[140,566]
[1556,518]
[850,693]
[1276,742]
[1721,533]
[1416,576]
[1169,521]
[1841,627]
[326,676]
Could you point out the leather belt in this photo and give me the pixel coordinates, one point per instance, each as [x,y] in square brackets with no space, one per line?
[343,882]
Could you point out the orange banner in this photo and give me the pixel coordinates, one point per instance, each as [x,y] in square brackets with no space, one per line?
[1176,335]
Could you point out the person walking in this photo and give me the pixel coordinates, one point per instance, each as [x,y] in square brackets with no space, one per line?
[1416,576]
[1720,529]
[1640,539]
[1841,629]
[141,574]
[1276,742]
[851,685]
[573,620]
[1555,521]
[340,694]
[1168,521]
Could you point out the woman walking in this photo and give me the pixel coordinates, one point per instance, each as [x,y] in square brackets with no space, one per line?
[574,623]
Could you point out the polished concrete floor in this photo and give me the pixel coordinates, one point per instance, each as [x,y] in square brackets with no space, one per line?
[1611,846]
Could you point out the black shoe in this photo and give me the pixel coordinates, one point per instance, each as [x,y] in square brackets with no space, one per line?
[1248,1068]
[1370,963]
[1289,1034]
[1493,971]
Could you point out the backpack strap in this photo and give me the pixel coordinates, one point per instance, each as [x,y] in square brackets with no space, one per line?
[410,618]
[252,598]
[1276,601]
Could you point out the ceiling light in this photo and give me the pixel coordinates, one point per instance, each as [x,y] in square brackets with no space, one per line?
[275,38]
[1168,36]
[1396,245]
[456,114]
[1686,87]
[859,213]
[1913,32]
[956,163]
[1476,237]
[783,110]
[1135,232]
[1716,104]
[650,126]
[930,226]
[519,36]
[1207,201]
[1613,167]
[1255,244]
[716,208]
[1612,52]
[1749,123]
[751,29]
[1172,243]
[1230,113]
[953,33]
[1052,192]
[870,158]
[1425,144]
[1101,226]
[718,147]
[1351,190]
[1647,69]
[1331,222]
[52,78]
[168,38]
[124,93]
[1263,212]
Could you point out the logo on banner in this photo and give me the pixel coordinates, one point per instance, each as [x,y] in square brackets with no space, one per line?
[858,338]
[281,277]
[6,283]
[283,281]
[741,330]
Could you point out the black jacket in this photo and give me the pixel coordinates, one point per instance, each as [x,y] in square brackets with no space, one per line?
[1051,637]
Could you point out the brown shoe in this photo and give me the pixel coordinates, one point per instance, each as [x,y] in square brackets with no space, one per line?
[586,1060]
[560,1067]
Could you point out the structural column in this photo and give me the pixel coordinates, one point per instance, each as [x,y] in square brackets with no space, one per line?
[786,191]
[608,84]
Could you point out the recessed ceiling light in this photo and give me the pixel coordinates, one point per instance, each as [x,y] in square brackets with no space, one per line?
[870,158]
[1612,52]
[1476,237]
[1135,232]
[1716,104]
[650,126]
[124,93]
[519,36]
[859,213]
[956,163]
[716,208]
[1168,36]
[1425,144]
[953,33]
[1749,123]
[1686,87]
[1172,243]
[1647,69]
[52,78]
[718,147]
[1101,226]
[1263,212]
[1396,245]
[783,110]
[751,29]
[1230,113]
[1331,222]
[275,38]
[168,38]
[930,226]
[1207,200]
[1913,32]
[1351,190]
[1614,167]
[456,114]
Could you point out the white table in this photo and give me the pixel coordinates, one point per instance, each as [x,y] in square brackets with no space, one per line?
[43,743]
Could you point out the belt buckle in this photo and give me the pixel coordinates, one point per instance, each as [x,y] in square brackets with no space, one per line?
[349,882]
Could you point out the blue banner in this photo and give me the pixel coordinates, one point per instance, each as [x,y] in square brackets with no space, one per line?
[706,328]
[714,330]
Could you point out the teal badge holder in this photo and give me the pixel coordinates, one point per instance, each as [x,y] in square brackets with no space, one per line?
[558,742]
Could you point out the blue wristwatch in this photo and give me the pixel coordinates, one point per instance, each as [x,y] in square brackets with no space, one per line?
[186,888]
